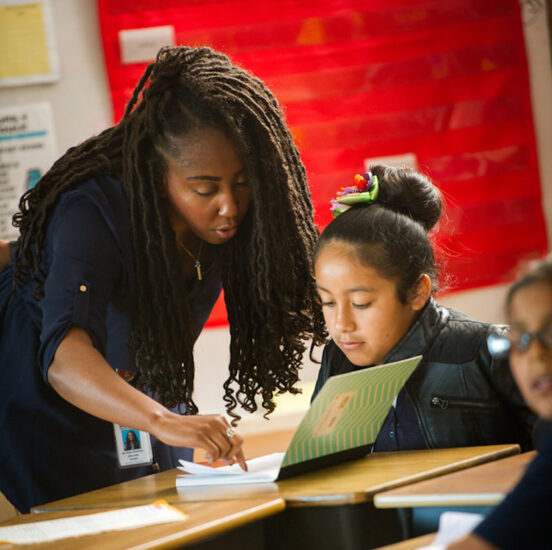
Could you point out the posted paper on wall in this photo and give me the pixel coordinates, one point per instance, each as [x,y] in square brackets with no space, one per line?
[27,150]
[28,54]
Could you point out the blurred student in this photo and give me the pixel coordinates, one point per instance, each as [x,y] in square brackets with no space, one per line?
[524,519]
[375,275]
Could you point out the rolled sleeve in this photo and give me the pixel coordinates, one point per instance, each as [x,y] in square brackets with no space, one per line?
[84,268]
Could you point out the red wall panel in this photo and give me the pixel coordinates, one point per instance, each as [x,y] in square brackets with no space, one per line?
[446,81]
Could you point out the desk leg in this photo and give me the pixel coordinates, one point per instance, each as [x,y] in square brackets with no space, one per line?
[347,527]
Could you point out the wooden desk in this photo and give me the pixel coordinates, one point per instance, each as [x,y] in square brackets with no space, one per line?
[326,509]
[484,485]
[205,520]
[410,544]
[359,480]
[348,483]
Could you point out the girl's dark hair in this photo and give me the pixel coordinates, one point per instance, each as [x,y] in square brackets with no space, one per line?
[391,234]
[539,271]
[272,311]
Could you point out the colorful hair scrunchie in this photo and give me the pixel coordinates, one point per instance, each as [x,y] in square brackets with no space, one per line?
[366,190]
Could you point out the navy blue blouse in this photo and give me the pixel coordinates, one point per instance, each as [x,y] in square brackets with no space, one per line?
[50,449]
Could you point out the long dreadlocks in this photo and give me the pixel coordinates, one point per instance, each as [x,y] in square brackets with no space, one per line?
[267,280]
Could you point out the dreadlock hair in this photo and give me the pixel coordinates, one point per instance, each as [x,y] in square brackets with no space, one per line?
[272,309]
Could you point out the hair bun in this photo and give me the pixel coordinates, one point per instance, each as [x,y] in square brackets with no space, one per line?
[405,191]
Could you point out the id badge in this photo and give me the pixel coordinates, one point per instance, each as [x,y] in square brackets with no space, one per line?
[133,447]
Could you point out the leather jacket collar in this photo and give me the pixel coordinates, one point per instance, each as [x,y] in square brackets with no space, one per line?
[422,334]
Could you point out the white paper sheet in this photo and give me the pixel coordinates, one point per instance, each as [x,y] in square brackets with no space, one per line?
[453,526]
[76,526]
[142,45]
[263,469]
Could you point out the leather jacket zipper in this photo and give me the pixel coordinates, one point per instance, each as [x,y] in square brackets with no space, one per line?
[451,403]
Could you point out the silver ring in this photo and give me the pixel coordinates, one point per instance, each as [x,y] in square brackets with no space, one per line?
[230,433]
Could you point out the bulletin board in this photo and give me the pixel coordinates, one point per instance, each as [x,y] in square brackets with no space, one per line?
[442,86]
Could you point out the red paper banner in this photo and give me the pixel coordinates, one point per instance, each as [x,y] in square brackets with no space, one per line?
[444,81]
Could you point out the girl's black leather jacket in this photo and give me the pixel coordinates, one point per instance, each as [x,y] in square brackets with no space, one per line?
[461,394]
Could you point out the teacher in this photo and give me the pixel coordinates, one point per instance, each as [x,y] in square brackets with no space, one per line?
[124,247]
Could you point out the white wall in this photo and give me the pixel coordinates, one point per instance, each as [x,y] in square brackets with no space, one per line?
[81,107]
[538,44]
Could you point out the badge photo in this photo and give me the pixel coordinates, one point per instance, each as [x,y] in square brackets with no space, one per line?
[133,446]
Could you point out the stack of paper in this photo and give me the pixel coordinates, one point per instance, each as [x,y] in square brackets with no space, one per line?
[259,470]
[91,524]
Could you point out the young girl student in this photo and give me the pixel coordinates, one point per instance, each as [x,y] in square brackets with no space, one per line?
[124,247]
[522,520]
[375,274]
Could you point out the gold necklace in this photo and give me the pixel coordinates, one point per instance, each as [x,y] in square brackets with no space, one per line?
[197,263]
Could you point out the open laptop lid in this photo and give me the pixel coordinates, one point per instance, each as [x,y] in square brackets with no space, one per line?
[345,418]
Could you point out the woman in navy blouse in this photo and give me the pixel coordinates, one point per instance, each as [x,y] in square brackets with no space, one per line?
[125,245]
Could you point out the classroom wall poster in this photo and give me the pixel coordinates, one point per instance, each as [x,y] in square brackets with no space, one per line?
[28,53]
[27,150]
[441,85]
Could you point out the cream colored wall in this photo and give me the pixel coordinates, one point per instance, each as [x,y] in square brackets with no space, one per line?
[81,107]
[538,44]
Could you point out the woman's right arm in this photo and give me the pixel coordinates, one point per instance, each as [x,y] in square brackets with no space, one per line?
[81,375]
